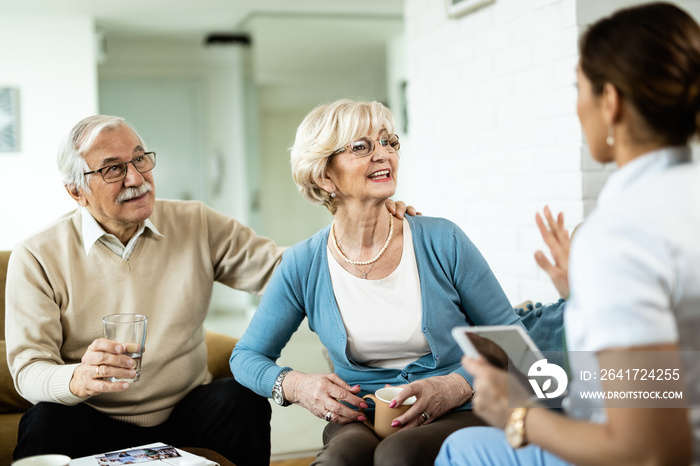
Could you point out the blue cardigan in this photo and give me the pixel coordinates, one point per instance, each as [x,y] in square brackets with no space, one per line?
[457,288]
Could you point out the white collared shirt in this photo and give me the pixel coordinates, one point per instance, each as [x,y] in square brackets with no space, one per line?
[634,269]
[621,270]
[93,232]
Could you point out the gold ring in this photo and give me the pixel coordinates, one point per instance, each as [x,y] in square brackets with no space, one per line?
[97,370]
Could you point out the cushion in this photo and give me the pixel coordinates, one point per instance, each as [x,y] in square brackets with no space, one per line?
[219,348]
[8,436]
[10,401]
[545,324]
[4,258]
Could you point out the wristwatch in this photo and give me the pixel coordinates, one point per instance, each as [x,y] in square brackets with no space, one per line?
[277,392]
[515,427]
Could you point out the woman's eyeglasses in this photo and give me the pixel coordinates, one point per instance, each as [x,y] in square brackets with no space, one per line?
[364,146]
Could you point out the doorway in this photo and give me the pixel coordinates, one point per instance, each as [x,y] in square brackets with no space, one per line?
[168,114]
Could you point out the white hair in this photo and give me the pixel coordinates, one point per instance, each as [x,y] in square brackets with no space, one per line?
[71,152]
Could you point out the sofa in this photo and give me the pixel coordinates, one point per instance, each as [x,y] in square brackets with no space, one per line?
[12,405]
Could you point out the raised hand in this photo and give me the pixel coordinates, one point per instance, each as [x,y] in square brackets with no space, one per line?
[556,237]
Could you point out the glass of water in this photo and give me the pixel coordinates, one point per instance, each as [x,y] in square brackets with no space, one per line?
[130,331]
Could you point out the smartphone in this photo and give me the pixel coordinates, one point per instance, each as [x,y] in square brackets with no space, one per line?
[461,336]
[513,339]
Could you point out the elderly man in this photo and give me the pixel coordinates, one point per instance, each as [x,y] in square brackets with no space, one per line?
[123,251]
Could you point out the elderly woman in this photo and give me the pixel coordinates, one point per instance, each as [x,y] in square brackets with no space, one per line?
[381,294]
[633,322]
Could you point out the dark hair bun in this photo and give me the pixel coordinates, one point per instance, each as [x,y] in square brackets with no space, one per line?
[651,54]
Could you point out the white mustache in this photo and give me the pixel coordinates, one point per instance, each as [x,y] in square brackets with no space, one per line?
[134,192]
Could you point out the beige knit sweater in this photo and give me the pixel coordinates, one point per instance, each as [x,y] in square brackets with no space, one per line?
[57,296]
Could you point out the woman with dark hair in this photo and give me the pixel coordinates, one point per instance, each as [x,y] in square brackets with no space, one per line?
[633,320]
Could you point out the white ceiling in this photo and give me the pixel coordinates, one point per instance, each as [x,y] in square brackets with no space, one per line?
[194,19]
[328,42]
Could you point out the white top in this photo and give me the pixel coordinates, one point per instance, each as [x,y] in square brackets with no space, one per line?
[92,232]
[382,317]
[635,271]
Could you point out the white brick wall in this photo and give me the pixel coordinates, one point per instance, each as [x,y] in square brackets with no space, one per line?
[494,134]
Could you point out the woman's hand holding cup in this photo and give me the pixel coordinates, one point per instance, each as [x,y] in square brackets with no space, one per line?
[435,396]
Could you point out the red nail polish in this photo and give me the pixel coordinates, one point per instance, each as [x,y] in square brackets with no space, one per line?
[361,418]
[395,424]
[364,405]
[392,404]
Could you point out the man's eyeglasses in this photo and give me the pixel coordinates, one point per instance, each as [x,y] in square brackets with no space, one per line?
[364,146]
[117,172]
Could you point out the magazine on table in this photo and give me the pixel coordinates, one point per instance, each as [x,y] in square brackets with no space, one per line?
[154,454]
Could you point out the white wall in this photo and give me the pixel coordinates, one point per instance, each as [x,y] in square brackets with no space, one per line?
[588,11]
[494,131]
[397,79]
[52,63]
[493,126]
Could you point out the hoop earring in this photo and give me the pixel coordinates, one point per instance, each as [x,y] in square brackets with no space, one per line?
[611,136]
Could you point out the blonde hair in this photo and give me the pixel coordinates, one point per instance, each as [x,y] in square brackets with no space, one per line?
[326,129]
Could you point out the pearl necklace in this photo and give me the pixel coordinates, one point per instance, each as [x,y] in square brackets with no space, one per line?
[375,258]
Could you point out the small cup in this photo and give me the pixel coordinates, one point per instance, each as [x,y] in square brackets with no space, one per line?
[43,460]
[383,414]
[130,331]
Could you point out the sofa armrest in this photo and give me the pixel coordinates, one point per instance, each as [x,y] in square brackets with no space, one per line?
[219,349]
